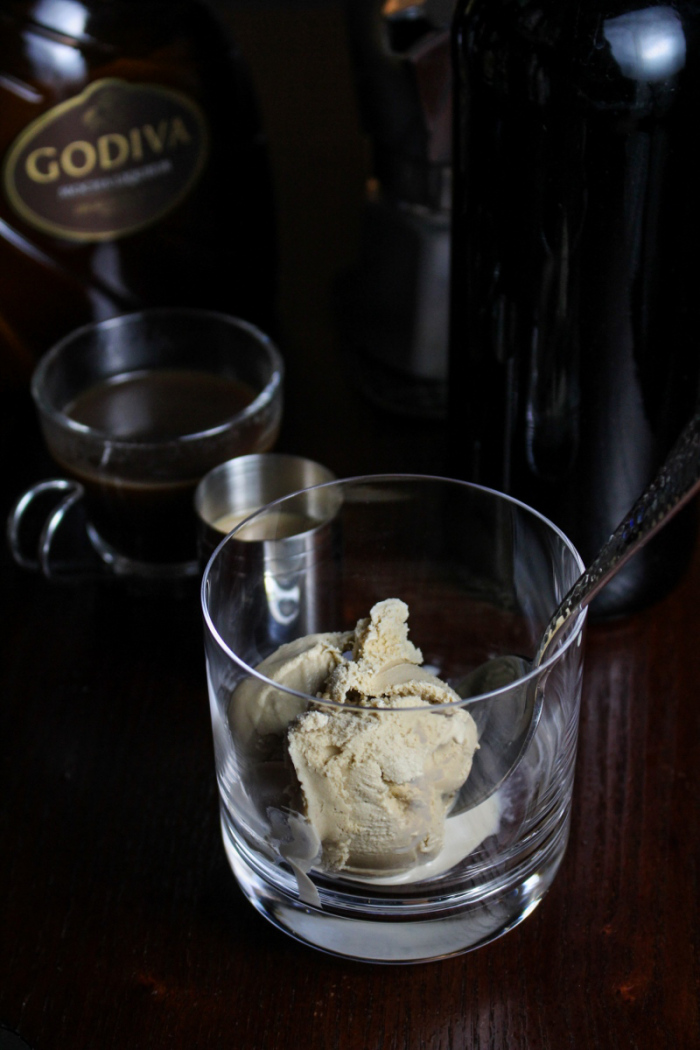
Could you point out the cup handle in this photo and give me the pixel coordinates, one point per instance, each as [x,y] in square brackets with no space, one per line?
[47,532]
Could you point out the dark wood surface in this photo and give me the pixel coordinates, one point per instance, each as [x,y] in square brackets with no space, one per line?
[121,925]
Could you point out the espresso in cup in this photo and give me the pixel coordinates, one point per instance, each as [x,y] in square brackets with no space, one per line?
[151,520]
[138,409]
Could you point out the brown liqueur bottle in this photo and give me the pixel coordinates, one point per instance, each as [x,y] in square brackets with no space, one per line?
[575,310]
[133,170]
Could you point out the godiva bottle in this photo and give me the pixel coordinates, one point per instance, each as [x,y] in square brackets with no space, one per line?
[134,171]
[575,302]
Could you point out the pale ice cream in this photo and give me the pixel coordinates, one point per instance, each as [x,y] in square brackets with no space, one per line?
[259,711]
[375,773]
[377,786]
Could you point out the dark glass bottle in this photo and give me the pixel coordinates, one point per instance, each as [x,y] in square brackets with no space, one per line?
[134,170]
[575,300]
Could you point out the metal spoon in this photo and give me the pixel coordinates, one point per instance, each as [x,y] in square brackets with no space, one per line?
[507,722]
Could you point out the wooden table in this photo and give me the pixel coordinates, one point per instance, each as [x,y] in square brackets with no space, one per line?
[120,923]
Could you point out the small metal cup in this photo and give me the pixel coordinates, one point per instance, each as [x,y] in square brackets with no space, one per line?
[231,492]
[291,542]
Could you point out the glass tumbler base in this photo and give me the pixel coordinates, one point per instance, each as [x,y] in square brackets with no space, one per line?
[402,937]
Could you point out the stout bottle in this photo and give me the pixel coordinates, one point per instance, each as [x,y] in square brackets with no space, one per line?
[134,172]
[574,355]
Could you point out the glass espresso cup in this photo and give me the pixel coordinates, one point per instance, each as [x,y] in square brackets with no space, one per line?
[136,410]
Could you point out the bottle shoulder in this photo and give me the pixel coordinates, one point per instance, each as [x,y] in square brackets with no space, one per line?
[100,30]
[46,59]
[102,21]
[611,52]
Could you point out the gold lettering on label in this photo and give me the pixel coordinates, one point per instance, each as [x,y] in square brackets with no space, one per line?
[71,165]
[136,144]
[156,139]
[179,135]
[68,174]
[48,172]
[92,208]
[93,118]
[112,150]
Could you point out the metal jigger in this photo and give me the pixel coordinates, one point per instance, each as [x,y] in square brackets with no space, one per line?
[291,551]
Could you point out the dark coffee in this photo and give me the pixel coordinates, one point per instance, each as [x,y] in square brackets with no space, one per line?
[160,404]
[150,518]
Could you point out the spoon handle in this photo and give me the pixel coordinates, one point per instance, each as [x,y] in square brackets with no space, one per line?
[677,482]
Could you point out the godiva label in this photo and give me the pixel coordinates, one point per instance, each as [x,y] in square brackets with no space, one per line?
[108,162]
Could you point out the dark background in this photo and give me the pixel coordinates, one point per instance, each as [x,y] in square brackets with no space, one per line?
[120,923]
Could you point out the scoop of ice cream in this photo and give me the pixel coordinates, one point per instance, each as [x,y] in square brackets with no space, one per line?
[384,663]
[377,782]
[375,764]
[260,709]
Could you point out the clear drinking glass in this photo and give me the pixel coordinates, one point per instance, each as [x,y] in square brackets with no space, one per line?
[136,410]
[389,866]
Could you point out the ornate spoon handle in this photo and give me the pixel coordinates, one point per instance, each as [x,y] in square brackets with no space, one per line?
[677,482]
